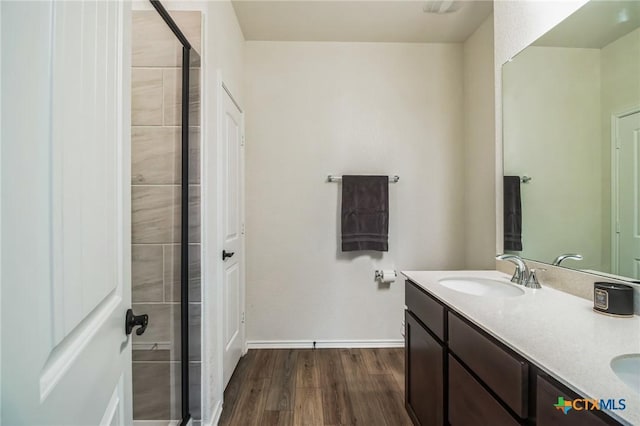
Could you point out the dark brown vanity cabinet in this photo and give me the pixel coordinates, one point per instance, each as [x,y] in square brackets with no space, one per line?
[424,374]
[469,402]
[458,375]
[503,373]
[547,393]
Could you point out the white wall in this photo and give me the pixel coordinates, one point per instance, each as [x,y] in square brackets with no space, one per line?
[318,108]
[516,25]
[479,143]
[552,133]
[620,92]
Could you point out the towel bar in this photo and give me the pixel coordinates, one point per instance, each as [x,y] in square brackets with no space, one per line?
[332,178]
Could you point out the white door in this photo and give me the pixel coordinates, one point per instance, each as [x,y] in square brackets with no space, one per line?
[65,213]
[232,256]
[628,183]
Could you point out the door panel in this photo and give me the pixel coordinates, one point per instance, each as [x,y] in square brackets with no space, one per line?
[232,302]
[114,413]
[70,359]
[628,180]
[232,148]
[232,220]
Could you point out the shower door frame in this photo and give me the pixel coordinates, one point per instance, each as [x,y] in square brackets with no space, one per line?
[184,211]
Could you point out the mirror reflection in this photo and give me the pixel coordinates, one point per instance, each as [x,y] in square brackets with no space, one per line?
[571,129]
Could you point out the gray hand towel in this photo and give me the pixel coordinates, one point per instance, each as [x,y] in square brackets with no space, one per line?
[512,214]
[365,213]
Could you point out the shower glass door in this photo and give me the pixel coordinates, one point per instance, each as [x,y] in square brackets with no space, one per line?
[165,163]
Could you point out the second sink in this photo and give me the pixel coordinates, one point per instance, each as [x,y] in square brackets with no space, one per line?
[627,368]
[482,287]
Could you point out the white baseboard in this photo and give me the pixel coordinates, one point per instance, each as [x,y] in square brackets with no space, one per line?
[324,344]
[215,417]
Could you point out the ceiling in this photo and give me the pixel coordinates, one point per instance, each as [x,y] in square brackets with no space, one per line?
[594,25]
[358,21]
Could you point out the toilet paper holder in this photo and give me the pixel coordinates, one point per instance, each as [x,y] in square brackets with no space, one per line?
[378,274]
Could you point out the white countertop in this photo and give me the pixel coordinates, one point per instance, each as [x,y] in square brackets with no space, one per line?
[558,332]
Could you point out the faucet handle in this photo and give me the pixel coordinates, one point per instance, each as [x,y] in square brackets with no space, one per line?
[533,282]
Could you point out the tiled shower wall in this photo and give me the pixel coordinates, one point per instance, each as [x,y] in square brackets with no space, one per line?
[155,192]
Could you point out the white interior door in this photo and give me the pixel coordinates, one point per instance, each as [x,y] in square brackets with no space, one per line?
[628,183]
[232,257]
[65,213]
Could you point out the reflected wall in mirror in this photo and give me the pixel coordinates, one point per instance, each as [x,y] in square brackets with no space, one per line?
[571,122]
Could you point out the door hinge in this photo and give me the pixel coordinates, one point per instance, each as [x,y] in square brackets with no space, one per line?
[242,229]
[242,318]
[242,141]
[617,227]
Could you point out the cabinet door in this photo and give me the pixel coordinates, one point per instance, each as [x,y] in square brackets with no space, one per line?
[470,404]
[548,415]
[424,375]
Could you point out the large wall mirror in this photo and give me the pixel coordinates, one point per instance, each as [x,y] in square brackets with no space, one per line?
[571,117]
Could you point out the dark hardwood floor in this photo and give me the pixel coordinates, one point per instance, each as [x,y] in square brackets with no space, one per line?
[317,387]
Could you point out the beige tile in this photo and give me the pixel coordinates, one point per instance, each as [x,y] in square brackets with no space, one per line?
[164,325]
[195,328]
[194,214]
[150,354]
[147,273]
[195,380]
[194,155]
[156,154]
[195,340]
[190,23]
[155,214]
[164,328]
[194,386]
[172,272]
[153,44]
[146,97]
[194,59]
[156,391]
[172,81]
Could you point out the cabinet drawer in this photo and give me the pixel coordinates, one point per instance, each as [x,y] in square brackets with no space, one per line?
[547,396]
[425,308]
[506,375]
[470,404]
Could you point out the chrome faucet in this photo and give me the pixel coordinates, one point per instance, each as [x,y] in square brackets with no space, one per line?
[558,260]
[521,274]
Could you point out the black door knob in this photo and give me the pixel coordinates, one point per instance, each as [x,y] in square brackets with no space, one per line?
[226,254]
[132,321]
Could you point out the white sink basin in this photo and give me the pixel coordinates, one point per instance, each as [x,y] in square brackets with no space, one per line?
[627,368]
[482,287]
